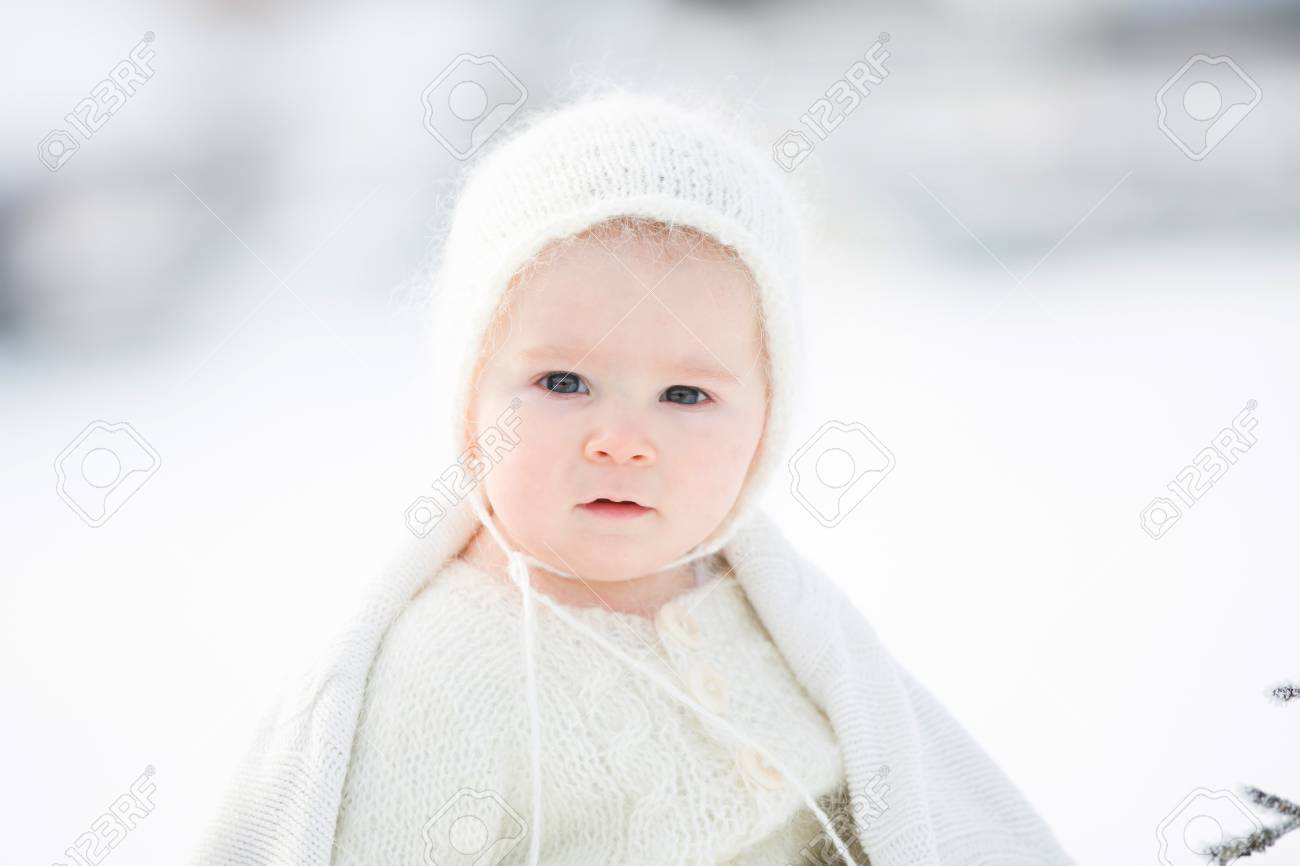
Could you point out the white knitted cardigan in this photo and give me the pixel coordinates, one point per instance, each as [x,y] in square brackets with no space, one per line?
[629,775]
[948,803]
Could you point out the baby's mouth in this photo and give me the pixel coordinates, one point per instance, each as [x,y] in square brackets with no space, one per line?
[615,508]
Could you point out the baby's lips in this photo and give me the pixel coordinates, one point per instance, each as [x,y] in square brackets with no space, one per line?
[613,499]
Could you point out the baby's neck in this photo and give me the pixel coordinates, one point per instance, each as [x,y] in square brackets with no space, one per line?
[640,596]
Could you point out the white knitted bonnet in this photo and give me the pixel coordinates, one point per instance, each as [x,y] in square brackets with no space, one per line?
[622,154]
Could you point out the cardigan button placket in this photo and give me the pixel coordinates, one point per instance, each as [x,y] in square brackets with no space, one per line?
[753,765]
[678,625]
[709,688]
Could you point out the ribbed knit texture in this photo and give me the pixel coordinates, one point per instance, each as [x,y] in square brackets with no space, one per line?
[947,803]
[629,774]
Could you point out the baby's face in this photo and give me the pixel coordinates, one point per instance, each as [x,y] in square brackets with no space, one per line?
[656,398]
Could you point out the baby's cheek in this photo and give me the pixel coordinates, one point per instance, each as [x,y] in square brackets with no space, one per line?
[718,451]
[545,423]
[547,449]
[547,456]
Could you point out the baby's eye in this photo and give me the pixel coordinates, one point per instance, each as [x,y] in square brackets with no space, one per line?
[568,383]
[691,394]
[562,385]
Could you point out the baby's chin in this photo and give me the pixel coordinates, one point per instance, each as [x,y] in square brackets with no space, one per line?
[610,559]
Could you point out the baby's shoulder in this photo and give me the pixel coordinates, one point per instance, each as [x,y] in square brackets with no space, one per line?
[450,624]
[462,591]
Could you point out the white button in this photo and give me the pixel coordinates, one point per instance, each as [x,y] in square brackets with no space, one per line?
[678,625]
[709,688]
[752,763]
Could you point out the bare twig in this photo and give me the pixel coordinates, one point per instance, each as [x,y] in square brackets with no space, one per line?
[1271,801]
[1286,692]
[1264,838]
[1254,843]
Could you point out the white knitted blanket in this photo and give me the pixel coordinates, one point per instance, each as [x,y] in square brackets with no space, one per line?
[947,803]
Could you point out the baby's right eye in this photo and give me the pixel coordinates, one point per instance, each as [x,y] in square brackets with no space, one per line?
[563,380]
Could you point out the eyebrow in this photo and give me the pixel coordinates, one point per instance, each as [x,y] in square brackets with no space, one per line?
[693,367]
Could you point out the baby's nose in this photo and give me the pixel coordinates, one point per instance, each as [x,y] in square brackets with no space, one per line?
[621,448]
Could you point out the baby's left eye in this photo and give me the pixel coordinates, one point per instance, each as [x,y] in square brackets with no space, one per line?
[686,391]
[563,379]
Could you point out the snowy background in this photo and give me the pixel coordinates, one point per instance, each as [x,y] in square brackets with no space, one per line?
[1025,289]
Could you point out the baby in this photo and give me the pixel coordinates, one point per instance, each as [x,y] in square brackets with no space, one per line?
[599,649]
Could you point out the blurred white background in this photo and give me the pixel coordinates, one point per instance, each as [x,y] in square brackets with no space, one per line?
[1039,302]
